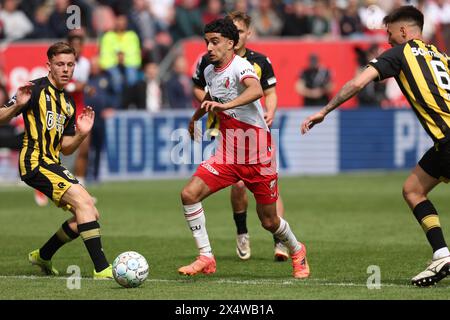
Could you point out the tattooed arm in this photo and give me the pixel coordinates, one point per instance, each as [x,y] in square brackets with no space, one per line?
[350,89]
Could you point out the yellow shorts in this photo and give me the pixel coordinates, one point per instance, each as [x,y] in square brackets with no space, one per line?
[53,180]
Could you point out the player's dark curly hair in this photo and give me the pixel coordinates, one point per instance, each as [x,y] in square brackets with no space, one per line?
[225,27]
[405,13]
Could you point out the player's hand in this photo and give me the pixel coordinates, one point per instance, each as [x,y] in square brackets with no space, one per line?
[213,106]
[311,121]
[268,117]
[85,120]
[24,93]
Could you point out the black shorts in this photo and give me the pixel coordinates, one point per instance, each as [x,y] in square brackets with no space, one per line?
[53,180]
[436,161]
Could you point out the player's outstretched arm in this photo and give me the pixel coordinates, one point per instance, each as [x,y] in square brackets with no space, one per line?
[350,89]
[12,107]
[85,122]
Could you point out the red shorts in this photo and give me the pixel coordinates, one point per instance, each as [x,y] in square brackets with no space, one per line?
[260,179]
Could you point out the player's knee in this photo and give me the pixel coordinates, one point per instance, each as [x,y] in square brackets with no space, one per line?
[89,202]
[96,214]
[189,196]
[85,206]
[405,192]
[239,186]
[409,192]
[239,195]
[413,195]
[269,224]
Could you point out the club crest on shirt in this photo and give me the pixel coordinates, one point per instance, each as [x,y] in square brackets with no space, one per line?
[68,107]
[226,82]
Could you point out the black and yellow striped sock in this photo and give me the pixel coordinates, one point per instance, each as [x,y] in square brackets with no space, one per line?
[427,216]
[61,237]
[90,233]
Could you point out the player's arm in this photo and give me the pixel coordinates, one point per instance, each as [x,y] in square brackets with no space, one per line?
[252,92]
[270,95]
[85,122]
[268,83]
[10,109]
[199,93]
[198,79]
[198,114]
[350,89]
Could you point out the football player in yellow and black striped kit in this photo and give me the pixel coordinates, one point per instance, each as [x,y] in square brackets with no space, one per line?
[48,113]
[422,72]
[264,70]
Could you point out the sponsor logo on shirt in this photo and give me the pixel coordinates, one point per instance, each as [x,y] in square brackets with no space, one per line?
[208,167]
[248,70]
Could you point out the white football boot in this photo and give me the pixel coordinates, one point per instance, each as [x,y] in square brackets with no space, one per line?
[243,246]
[435,272]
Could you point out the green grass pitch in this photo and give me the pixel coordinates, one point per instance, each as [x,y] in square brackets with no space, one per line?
[348,223]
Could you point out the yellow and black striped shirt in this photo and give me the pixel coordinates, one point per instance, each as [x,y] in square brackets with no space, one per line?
[48,115]
[422,72]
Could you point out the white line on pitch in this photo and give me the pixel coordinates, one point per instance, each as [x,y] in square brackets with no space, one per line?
[307,282]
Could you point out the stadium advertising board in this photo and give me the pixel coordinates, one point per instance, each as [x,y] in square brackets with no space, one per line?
[141,145]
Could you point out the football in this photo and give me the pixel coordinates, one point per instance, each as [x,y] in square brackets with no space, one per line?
[130,269]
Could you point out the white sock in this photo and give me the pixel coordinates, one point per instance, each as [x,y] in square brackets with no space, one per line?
[285,235]
[441,253]
[195,218]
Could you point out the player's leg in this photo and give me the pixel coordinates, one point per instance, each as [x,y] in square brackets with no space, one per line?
[208,178]
[45,181]
[281,252]
[239,203]
[87,217]
[420,182]
[265,190]
[281,230]
[191,196]
[42,256]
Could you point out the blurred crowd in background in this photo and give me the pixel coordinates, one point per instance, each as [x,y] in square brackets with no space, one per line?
[160,23]
[135,36]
